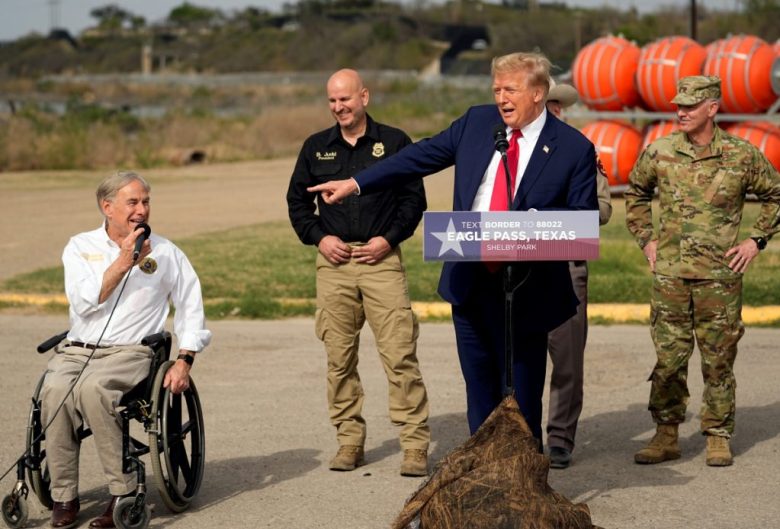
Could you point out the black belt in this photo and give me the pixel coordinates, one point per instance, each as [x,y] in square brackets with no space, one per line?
[88,345]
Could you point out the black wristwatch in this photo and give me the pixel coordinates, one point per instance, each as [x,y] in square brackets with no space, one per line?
[760,242]
[187,358]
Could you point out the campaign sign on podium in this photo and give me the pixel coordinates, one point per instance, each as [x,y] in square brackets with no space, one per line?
[511,235]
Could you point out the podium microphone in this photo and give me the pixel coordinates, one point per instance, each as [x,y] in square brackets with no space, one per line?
[499,136]
[139,242]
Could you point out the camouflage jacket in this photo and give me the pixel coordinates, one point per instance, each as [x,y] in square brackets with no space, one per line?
[700,202]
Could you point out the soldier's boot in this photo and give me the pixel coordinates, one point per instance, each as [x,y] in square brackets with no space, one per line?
[349,457]
[415,463]
[662,447]
[718,451]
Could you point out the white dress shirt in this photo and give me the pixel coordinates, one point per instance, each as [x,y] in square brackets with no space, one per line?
[527,144]
[144,305]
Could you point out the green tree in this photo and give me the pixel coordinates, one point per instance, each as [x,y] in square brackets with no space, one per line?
[760,6]
[111,18]
[252,18]
[763,18]
[189,16]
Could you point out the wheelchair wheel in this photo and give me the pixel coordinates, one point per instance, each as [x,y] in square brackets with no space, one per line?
[123,515]
[39,478]
[14,511]
[178,435]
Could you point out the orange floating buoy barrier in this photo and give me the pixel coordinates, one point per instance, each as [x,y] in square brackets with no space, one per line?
[762,134]
[656,130]
[604,74]
[661,64]
[744,65]
[617,146]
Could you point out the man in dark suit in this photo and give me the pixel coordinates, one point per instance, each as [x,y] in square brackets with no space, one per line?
[553,170]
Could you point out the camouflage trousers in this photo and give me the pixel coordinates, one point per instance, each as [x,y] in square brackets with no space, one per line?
[711,311]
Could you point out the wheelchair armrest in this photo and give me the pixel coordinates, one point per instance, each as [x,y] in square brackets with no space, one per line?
[154,339]
[51,342]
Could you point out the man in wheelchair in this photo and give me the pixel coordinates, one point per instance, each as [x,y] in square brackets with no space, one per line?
[116,299]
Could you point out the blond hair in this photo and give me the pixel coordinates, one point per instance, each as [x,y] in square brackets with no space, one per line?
[535,66]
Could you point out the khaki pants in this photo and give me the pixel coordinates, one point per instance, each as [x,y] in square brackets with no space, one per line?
[566,345]
[110,374]
[347,296]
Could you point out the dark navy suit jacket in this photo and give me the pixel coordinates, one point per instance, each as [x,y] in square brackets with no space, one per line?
[560,175]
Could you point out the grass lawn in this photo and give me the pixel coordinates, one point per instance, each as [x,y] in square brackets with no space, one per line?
[263,271]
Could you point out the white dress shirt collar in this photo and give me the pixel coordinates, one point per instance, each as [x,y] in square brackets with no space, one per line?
[527,144]
[531,131]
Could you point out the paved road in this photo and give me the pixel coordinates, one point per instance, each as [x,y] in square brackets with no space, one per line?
[268,438]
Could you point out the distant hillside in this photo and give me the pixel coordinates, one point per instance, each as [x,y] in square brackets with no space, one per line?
[324,35]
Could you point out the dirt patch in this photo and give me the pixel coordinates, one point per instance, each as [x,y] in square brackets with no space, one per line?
[42,210]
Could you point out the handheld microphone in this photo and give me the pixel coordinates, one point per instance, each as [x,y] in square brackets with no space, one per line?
[499,135]
[139,242]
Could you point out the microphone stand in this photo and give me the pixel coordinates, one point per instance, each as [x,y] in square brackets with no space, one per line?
[502,145]
[508,388]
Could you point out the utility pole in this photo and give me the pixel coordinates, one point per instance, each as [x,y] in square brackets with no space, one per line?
[694,20]
[54,14]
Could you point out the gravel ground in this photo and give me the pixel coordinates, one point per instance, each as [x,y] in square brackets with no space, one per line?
[268,438]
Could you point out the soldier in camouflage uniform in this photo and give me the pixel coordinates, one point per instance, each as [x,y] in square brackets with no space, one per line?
[702,174]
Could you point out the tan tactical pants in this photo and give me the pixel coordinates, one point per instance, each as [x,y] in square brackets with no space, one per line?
[347,296]
[111,373]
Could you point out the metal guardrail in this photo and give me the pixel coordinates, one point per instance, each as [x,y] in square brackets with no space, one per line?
[578,112]
[770,115]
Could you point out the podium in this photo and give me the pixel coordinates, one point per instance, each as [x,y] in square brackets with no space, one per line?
[511,235]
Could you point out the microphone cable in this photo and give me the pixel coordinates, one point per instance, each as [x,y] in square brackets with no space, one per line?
[75,381]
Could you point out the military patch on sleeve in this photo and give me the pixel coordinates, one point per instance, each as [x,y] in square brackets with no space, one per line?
[148,265]
[379,150]
[600,167]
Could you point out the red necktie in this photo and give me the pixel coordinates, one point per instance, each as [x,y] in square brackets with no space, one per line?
[499,197]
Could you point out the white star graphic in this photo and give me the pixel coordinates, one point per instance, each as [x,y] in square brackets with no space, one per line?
[446,243]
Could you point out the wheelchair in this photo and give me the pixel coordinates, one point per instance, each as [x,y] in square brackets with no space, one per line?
[173,425]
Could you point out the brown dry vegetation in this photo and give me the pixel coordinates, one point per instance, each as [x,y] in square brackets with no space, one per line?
[98,130]
[255,120]
[48,142]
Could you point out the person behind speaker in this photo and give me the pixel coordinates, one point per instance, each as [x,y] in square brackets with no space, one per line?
[566,343]
[553,170]
[96,263]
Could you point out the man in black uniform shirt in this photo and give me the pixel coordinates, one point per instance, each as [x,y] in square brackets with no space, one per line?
[360,272]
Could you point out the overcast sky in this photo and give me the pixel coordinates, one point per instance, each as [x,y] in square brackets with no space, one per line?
[20,17]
